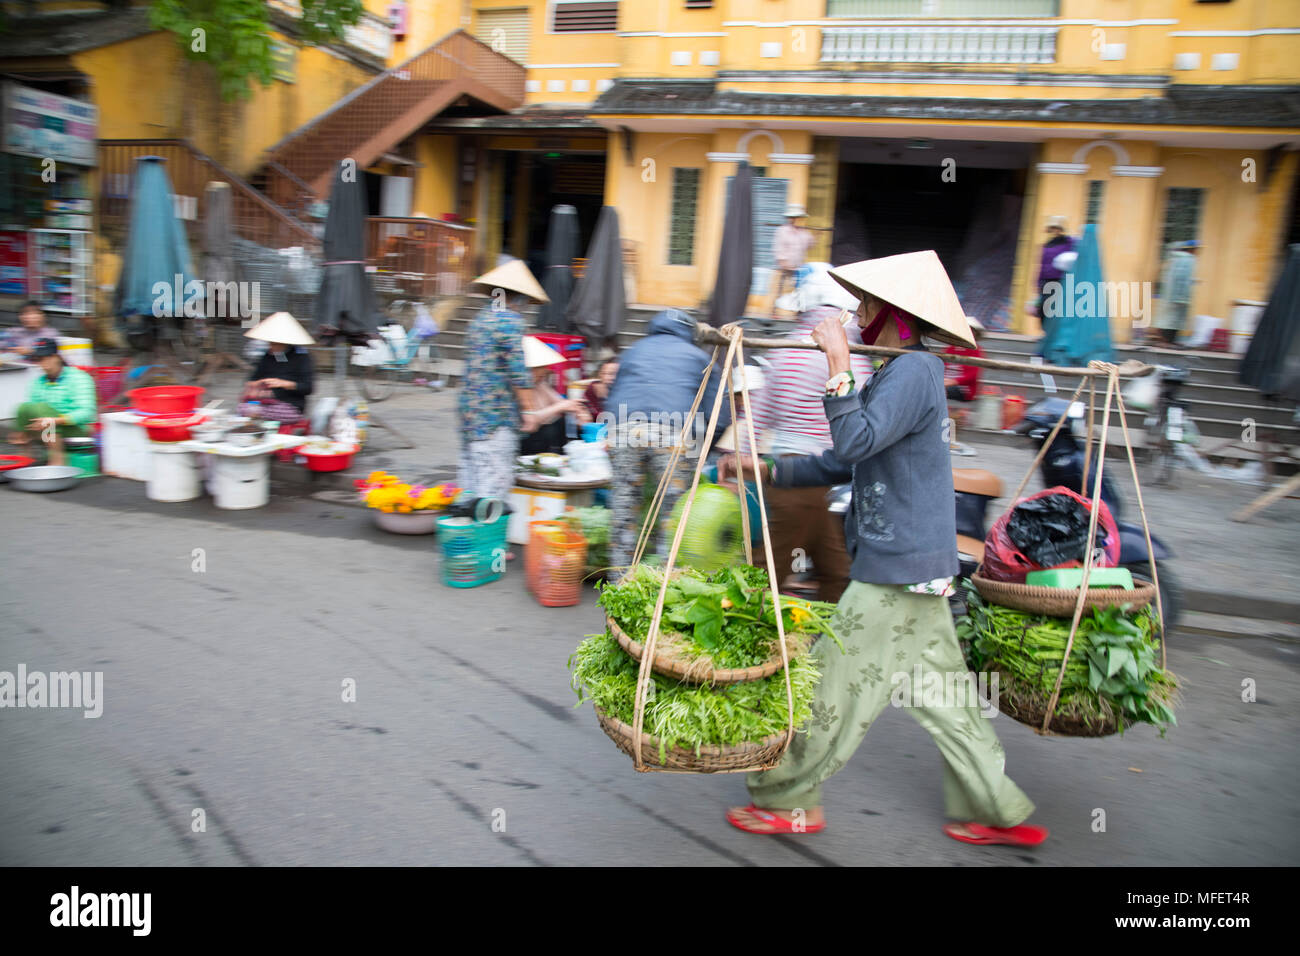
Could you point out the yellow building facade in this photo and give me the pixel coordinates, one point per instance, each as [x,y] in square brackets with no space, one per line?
[1157,120]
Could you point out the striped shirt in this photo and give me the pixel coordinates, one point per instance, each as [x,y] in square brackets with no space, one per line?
[788,408]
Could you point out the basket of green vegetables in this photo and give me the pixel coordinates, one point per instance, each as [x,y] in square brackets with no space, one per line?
[691,727]
[1112,680]
[718,628]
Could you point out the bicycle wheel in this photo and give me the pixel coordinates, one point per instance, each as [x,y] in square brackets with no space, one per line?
[379,382]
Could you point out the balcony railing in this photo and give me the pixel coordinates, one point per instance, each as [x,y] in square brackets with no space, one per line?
[419,258]
[957,9]
[938,44]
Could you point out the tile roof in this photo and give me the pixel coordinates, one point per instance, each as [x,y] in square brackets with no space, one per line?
[1180,105]
[61,35]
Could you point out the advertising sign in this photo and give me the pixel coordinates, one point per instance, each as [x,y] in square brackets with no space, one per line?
[43,125]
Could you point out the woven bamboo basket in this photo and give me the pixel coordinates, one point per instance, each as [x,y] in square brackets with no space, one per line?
[668,662]
[762,755]
[1059,602]
[1032,712]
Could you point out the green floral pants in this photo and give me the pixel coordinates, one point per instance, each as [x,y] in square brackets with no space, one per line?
[887,632]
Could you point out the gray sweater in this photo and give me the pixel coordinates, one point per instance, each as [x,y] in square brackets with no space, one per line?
[891,441]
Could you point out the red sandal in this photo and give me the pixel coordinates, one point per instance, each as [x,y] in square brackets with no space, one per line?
[777,824]
[1023,835]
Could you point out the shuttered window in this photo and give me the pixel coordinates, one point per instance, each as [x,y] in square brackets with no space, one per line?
[585,16]
[506,31]
[681,231]
[699,4]
[1096,190]
[1182,215]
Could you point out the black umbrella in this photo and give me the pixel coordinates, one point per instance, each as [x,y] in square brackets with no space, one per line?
[557,280]
[736,257]
[345,307]
[217,264]
[1272,363]
[599,304]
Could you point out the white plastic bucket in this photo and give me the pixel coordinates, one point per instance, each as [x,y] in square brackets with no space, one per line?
[1245,316]
[241,483]
[125,448]
[175,474]
[77,351]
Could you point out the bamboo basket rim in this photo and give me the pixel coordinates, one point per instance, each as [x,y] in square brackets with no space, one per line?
[1059,602]
[669,665]
[745,757]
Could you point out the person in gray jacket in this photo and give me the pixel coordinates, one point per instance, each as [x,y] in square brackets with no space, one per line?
[891,440]
[646,412]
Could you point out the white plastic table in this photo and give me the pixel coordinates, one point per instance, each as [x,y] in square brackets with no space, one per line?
[241,476]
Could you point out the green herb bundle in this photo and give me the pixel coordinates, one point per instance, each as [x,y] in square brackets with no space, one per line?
[723,620]
[1113,676]
[593,524]
[691,716]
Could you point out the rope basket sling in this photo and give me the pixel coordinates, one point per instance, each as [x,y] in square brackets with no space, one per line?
[1072,602]
[644,748]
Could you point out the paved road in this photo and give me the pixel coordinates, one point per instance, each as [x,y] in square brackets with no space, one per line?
[223,693]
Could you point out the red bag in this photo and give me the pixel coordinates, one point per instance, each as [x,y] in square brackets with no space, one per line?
[1003,561]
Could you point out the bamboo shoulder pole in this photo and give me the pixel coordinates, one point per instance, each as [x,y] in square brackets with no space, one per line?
[708,335]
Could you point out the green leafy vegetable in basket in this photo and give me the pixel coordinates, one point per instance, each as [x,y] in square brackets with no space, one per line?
[725,620]
[593,524]
[691,716]
[1113,674]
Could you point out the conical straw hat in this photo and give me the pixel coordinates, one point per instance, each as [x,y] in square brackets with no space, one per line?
[514,275]
[282,328]
[916,282]
[537,353]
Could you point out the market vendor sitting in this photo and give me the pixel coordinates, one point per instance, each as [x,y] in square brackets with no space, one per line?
[32,328]
[544,430]
[279,384]
[60,404]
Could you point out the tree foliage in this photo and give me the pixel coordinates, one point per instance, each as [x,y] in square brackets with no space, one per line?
[234,36]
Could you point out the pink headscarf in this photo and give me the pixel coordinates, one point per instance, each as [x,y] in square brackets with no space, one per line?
[901,320]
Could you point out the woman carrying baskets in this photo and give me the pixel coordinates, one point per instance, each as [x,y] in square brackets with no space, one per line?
[891,441]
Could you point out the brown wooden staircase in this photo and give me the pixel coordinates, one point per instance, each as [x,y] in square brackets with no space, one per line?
[373,119]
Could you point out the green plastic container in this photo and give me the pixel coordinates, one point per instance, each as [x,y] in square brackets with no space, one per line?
[1072,577]
[87,461]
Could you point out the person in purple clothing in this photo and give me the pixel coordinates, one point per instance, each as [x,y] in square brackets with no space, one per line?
[1058,241]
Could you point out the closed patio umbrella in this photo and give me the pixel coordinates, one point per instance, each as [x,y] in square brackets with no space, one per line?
[736,257]
[557,280]
[345,307]
[599,304]
[217,267]
[1081,332]
[1272,363]
[157,251]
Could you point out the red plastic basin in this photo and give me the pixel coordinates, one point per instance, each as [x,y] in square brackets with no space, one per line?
[173,427]
[327,462]
[164,399]
[10,462]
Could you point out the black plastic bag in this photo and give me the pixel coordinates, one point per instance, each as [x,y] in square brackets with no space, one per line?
[1052,530]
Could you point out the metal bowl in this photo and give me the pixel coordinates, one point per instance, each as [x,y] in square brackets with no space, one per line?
[44,478]
[245,439]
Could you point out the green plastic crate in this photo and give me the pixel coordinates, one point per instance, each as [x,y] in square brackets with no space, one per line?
[1073,577]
